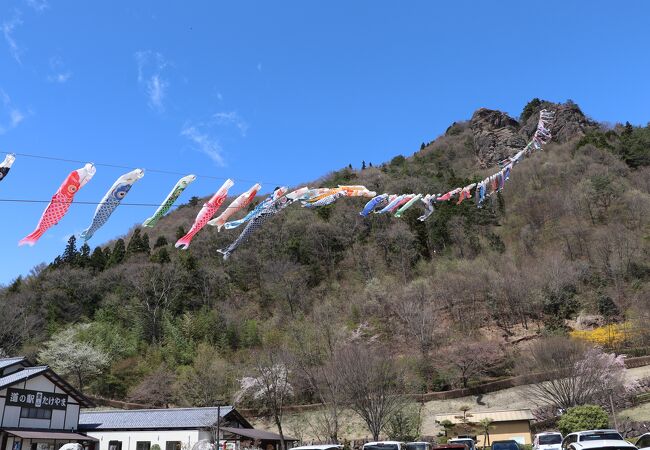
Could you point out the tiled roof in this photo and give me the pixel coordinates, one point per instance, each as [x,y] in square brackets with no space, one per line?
[496,416]
[21,375]
[151,418]
[6,362]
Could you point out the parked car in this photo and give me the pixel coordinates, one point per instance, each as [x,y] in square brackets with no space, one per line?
[643,442]
[319,447]
[604,444]
[551,440]
[450,447]
[385,445]
[418,446]
[591,435]
[510,444]
[468,442]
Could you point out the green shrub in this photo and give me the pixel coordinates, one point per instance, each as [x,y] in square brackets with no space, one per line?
[586,417]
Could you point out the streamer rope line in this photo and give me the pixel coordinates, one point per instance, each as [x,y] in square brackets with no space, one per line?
[118,166]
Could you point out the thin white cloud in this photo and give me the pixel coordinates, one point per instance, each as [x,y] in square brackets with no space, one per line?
[156,88]
[150,68]
[58,71]
[231,118]
[8,29]
[10,116]
[204,143]
[38,5]
[59,77]
[16,117]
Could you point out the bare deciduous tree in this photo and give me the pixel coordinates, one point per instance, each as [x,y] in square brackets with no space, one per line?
[468,359]
[155,288]
[156,389]
[373,384]
[579,374]
[269,387]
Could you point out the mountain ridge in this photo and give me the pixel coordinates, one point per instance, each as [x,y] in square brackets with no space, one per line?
[567,236]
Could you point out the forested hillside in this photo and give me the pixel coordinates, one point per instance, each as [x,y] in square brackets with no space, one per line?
[565,246]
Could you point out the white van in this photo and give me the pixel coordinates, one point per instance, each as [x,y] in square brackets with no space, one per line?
[385,445]
[551,440]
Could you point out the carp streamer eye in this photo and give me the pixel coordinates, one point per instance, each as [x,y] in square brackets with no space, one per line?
[72,189]
[121,194]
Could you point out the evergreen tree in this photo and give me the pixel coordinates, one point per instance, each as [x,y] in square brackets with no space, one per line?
[363,165]
[70,253]
[118,253]
[134,243]
[161,256]
[15,285]
[422,146]
[97,260]
[146,248]
[194,201]
[160,242]
[180,232]
[370,164]
[84,255]
[628,129]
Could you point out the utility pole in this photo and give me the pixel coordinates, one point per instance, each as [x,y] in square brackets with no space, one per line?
[611,403]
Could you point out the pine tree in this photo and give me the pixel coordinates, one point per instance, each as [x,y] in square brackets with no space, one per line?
[180,232]
[135,243]
[97,260]
[160,242]
[146,248]
[70,253]
[84,255]
[363,165]
[118,253]
[194,201]
[161,256]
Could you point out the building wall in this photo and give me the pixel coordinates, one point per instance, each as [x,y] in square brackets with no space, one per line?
[129,438]
[67,419]
[517,430]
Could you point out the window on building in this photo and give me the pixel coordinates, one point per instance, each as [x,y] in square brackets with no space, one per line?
[142,445]
[114,445]
[173,445]
[35,413]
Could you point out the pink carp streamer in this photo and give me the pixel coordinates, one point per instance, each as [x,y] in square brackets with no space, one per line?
[60,203]
[207,211]
[239,203]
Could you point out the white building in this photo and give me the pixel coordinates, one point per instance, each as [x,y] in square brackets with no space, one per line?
[38,409]
[171,429]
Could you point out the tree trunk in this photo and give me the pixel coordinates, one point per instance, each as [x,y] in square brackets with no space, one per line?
[278,423]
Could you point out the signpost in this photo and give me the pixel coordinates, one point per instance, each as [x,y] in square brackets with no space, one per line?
[36,399]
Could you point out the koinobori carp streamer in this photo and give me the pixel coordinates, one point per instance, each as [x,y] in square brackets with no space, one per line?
[171,198]
[239,203]
[6,165]
[207,211]
[111,201]
[60,203]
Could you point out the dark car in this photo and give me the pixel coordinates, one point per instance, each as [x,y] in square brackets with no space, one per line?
[505,445]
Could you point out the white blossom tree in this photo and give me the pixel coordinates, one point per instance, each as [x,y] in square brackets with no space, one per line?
[70,356]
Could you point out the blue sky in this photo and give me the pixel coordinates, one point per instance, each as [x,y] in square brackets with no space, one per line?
[280,92]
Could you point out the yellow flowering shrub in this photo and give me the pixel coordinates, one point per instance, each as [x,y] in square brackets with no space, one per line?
[608,336]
